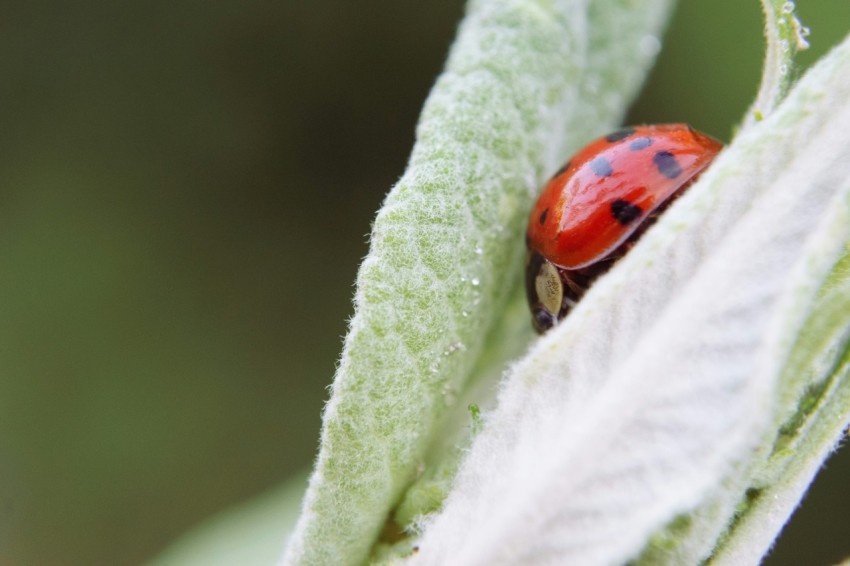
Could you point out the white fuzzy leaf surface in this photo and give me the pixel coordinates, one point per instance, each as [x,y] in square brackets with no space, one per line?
[526,82]
[663,392]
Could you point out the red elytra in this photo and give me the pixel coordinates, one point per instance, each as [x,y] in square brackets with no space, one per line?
[595,207]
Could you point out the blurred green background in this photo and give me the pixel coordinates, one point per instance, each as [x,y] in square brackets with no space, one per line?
[185,194]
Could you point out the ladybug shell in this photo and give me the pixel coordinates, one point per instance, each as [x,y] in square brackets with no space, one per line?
[608,189]
[599,203]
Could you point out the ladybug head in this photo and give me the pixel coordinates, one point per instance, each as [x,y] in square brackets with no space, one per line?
[545,292]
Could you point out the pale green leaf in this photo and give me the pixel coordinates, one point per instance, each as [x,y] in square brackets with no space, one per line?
[525,83]
[709,363]
[784,36]
[247,534]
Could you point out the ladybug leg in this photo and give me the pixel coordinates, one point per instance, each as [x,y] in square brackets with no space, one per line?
[576,289]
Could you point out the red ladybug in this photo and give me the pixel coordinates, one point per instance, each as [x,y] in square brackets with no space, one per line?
[599,203]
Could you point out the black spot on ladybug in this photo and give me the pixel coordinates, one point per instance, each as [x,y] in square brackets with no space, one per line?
[667,164]
[624,211]
[640,143]
[619,135]
[544,215]
[563,169]
[601,166]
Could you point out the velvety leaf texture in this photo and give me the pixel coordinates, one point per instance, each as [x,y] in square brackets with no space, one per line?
[522,88]
[681,409]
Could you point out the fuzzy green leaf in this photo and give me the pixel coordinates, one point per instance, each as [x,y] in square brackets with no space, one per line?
[525,83]
[815,406]
[784,36]
[698,385]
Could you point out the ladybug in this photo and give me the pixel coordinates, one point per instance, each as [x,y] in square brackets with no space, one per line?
[596,206]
